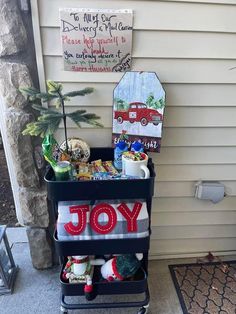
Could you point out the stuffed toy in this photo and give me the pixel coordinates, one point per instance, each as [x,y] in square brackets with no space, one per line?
[121,267]
[79,269]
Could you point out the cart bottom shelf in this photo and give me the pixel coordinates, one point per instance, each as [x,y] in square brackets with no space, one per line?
[142,305]
[137,288]
[135,285]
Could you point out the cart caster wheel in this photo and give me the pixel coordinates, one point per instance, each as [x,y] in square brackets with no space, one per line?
[63,310]
[143,309]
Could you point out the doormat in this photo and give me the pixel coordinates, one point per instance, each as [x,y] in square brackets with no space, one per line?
[206,288]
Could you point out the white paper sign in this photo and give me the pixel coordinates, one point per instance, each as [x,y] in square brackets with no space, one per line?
[96,40]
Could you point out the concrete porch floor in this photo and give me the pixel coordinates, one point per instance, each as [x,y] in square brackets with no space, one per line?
[39,291]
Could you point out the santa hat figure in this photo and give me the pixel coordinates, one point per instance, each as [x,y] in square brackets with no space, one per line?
[121,267]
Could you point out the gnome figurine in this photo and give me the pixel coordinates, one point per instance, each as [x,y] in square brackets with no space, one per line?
[121,267]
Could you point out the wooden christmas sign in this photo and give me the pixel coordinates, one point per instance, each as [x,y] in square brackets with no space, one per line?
[138,109]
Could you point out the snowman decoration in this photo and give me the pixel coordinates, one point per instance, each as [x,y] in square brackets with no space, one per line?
[79,269]
[121,267]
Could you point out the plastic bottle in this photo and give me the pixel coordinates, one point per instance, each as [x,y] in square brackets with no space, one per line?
[120,148]
[137,147]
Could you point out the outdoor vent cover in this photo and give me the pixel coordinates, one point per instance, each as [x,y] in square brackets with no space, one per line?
[210,190]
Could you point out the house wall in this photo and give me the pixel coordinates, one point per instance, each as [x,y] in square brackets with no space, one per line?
[191,45]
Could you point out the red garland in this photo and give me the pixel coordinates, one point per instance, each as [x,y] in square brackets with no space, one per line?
[80,261]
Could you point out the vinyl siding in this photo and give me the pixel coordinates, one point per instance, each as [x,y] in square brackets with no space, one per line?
[191,45]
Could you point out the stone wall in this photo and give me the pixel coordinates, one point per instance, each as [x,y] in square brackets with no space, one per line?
[18,69]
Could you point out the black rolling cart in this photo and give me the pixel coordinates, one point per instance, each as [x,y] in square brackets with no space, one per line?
[100,190]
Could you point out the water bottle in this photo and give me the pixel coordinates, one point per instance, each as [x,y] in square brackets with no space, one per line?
[120,148]
[137,147]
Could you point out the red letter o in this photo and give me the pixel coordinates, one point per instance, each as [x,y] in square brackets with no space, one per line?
[112,218]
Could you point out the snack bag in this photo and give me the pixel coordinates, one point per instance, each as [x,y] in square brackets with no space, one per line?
[108,165]
[98,166]
[84,173]
[52,152]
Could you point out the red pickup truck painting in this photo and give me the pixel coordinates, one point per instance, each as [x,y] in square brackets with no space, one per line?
[138,112]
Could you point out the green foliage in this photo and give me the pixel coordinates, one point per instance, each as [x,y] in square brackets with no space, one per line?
[44,110]
[151,102]
[121,104]
[83,92]
[29,92]
[49,120]
[124,136]
[81,116]
[42,127]
[33,95]
[54,88]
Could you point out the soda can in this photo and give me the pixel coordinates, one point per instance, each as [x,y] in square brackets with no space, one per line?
[63,171]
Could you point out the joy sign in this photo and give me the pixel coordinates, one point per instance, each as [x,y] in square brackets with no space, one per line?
[83,221]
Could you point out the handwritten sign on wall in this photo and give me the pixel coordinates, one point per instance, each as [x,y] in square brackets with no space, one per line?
[96,40]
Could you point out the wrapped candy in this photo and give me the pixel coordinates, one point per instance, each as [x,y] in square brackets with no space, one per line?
[84,173]
[136,156]
[98,166]
[109,167]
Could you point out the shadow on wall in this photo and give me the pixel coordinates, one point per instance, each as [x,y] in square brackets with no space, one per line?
[7,206]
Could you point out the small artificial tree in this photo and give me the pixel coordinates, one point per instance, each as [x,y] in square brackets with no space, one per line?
[49,120]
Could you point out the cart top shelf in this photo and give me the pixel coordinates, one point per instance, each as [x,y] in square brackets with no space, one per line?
[104,189]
